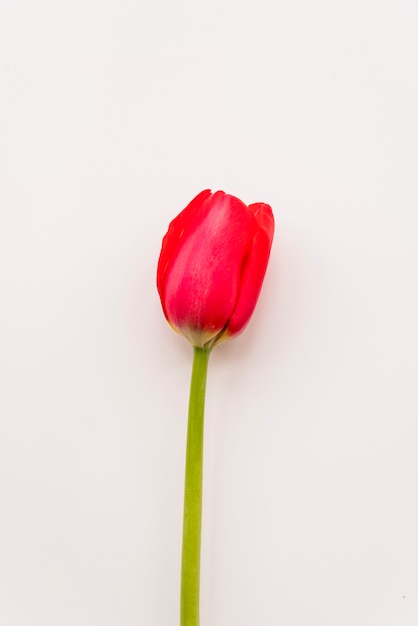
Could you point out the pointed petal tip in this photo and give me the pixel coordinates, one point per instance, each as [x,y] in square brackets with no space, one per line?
[264,217]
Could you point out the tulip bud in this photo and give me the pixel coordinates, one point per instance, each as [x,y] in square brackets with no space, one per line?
[212,265]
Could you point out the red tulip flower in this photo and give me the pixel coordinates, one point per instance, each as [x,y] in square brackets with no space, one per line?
[212,265]
[210,271]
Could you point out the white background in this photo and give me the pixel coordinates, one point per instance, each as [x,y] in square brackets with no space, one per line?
[113,115]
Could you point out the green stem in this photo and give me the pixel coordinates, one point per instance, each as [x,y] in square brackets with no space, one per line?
[190,564]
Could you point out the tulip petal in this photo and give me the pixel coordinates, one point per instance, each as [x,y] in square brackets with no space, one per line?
[254,269]
[194,212]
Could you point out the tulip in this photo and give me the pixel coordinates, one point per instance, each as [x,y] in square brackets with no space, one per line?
[212,265]
[210,272]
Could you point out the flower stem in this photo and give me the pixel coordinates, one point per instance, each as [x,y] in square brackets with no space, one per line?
[190,564]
